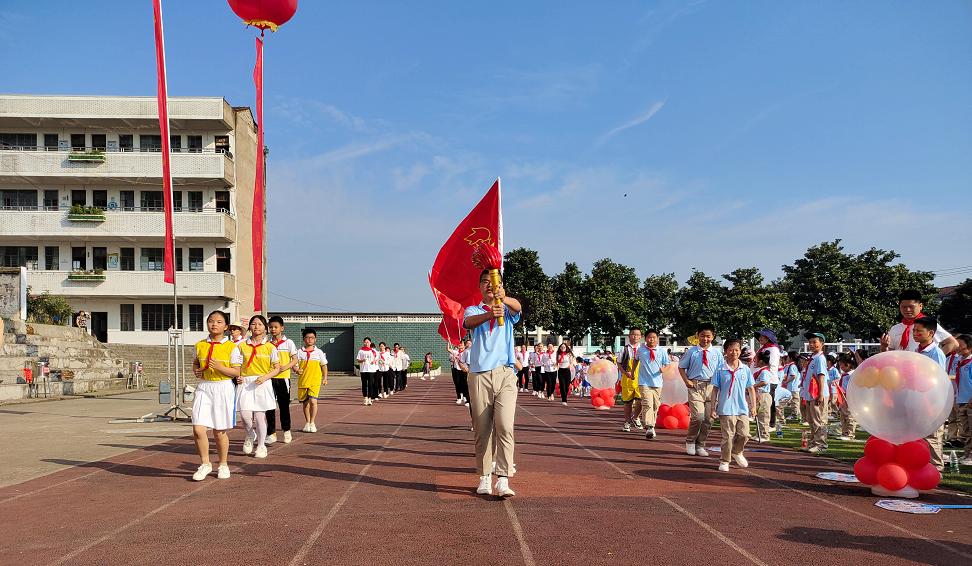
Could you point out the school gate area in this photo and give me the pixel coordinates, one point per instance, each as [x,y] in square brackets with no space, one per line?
[340,335]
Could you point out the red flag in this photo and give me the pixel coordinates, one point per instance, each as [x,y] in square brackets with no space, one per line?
[453,277]
[258,187]
[169,255]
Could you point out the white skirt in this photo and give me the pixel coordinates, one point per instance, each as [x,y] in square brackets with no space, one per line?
[253,397]
[214,405]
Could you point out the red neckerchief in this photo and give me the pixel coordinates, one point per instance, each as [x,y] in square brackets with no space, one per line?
[561,356]
[651,354]
[252,354]
[760,372]
[705,358]
[925,349]
[209,355]
[766,346]
[841,394]
[277,343]
[492,321]
[308,352]
[906,335]
[732,377]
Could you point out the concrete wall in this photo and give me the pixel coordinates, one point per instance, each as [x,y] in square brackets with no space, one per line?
[13,293]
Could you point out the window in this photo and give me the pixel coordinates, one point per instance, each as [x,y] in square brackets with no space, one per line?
[19,199]
[79,259]
[152,259]
[196,318]
[195,143]
[177,201]
[149,142]
[159,317]
[99,141]
[127,200]
[77,142]
[178,259]
[195,201]
[151,200]
[175,143]
[99,258]
[79,197]
[100,199]
[126,142]
[222,144]
[19,141]
[126,317]
[50,142]
[127,259]
[223,201]
[17,256]
[223,260]
[52,258]
[50,199]
[195,259]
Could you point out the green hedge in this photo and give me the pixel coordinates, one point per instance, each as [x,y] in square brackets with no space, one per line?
[416,367]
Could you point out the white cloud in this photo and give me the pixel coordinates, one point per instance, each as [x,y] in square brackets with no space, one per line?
[636,121]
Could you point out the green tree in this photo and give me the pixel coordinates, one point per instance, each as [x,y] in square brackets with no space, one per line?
[956,311]
[569,310]
[523,278]
[699,301]
[48,309]
[614,299]
[658,293]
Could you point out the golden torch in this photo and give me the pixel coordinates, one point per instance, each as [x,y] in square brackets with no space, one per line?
[485,256]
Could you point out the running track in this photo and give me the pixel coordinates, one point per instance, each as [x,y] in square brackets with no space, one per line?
[394,484]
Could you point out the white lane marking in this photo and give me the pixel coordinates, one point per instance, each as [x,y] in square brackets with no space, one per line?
[518,530]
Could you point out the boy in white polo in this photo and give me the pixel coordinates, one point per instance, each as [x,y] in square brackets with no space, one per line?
[492,384]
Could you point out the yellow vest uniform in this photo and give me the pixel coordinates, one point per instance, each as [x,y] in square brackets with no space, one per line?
[220,351]
[311,372]
[257,360]
[284,355]
[629,387]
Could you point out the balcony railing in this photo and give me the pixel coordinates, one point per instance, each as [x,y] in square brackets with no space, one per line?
[117,224]
[121,284]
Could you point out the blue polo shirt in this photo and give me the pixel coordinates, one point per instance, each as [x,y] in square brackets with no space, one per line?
[650,372]
[762,374]
[818,366]
[833,376]
[964,394]
[732,399]
[691,362]
[934,353]
[491,347]
[792,370]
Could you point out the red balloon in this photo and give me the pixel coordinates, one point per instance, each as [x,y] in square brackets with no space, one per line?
[913,455]
[925,478]
[264,14]
[597,401]
[879,451]
[609,401]
[866,471]
[683,422]
[607,393]
[663,408]
[892,477]
[617,387]
[670,422]
[680,410]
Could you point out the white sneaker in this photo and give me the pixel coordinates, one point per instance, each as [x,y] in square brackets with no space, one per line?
[741,460]
[690,449]
[466,403]
[550,398]
[723,466]
[626,427]
[288,438]
[202,472]
[271,439]
[366,401]
[503,488]
[223,472]
[650,433]
[423,379]
[261,452]
[313,427]
[700,451]
[484,485]
[432,379]
[638,423]
[248,445]
[459,401]
[564,403]
[306,428]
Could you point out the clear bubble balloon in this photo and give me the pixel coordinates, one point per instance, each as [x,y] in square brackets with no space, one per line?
[673,390]
[900,396]
[602,374]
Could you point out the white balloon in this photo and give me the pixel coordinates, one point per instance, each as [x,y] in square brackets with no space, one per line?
[602,374]
[673,390]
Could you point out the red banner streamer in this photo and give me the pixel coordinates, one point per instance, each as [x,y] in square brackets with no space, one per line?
[259,200]
[169,255]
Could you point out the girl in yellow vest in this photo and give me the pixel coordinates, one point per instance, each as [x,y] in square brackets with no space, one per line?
[256,362]
[312,369]
[214,405]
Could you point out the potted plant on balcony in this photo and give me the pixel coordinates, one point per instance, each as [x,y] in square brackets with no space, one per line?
[80,213]
[89,275]
[89,156]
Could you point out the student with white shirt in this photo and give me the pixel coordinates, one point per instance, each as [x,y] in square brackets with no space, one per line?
[406,362]
[454,356]
[523,371]
[398,361]
[536,369]
[696,368]
[768,343]
[384,371]
[368,368]
[287,351]
[464,371]
[549,371]
[901,337]
[565,358]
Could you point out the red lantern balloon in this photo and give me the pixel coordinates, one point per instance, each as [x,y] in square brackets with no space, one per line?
[879,451]
[924,479]
[680,410]
[597,401]
[683,422]
[671,422]
[264,14]
[866,471]
[892,477]
[913,455]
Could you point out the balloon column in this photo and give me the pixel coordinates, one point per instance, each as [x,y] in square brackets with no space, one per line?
[602,375]
[262,14]
[673,416]
[900,398]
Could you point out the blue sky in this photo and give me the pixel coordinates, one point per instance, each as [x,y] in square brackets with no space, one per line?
[741,132]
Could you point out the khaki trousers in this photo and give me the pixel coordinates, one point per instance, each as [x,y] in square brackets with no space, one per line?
[848,426]
[492,400]
[964,413]
[735,433]
[763,408]
[699,410]
[953,432]
[817,417]
[650,401]
[934,441]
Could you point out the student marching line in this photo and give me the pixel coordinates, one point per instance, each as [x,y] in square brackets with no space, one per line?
[733,401]
[312,375]
[565,358]
[287,352]
[549,372]
[536,369]
[387,379]
[367,360]
[696,367]
[523,365]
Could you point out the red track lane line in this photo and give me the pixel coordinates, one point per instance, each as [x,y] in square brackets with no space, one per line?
[316,535]
[165,506]
[712,530]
